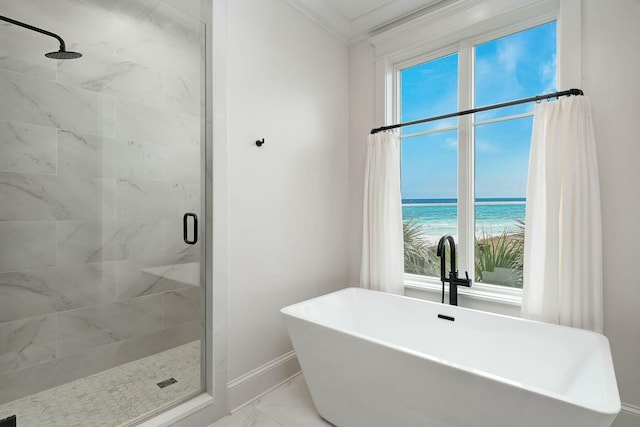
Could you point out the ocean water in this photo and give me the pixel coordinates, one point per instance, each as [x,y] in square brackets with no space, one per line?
[437,217]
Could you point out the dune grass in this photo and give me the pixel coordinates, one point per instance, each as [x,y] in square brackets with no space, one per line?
[498,259]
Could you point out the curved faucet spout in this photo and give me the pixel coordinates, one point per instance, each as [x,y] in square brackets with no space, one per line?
[453,279]
[452,252]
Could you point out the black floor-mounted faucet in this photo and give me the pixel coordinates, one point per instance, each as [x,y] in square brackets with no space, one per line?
[453,279]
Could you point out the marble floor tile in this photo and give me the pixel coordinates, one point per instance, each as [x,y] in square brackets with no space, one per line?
[289,405]
[248,416]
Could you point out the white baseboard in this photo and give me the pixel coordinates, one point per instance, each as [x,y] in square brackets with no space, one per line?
[628,417]
[635,410]
[254,384]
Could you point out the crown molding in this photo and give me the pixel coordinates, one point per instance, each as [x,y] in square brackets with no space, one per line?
[456,20]
[358,29]
[323,15]
[427,18]
[389,15]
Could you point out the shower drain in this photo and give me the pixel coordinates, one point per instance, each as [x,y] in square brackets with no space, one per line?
[167,382]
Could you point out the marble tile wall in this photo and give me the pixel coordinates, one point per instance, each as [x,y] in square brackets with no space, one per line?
[99,159]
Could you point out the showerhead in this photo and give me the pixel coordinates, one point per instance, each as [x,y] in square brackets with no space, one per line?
[63,54]
[60,54]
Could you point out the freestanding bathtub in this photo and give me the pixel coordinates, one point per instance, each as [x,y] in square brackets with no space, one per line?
[377,360]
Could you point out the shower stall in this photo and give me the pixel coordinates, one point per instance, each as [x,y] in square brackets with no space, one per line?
[102,160]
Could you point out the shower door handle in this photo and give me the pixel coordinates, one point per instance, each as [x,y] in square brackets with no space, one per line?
[185,233]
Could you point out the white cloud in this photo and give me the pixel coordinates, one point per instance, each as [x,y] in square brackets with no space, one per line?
[509,53]
[486,147]
[451,143]
[548,74]
[446,123]
[497,72]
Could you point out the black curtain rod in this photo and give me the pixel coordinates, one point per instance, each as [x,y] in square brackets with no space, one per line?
[479,109]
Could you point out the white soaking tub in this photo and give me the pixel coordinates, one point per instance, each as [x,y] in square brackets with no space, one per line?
[374,359]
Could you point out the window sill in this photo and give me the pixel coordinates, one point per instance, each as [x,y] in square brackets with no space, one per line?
[478,291]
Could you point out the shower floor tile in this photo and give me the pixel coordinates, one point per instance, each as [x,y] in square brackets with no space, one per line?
[115,396]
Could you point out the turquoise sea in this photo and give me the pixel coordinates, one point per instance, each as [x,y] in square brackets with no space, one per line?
[439,216]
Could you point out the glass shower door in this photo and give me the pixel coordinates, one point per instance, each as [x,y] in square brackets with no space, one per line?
[100,160]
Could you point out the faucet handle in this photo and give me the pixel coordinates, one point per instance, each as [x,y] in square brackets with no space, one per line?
[466,273]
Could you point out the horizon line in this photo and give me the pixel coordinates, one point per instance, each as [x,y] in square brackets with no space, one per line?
[455,199]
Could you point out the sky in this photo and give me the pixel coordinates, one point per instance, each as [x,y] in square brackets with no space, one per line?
[516,66]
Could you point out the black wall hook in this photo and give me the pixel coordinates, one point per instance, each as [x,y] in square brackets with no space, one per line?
[260,142]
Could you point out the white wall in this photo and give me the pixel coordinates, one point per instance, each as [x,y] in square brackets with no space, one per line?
[611,66]
[288,202]
[362,108]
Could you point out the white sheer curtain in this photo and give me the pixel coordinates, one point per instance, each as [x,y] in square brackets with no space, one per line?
[563,245]
[382,266]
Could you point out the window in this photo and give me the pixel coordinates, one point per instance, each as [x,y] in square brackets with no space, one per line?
[467,176]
